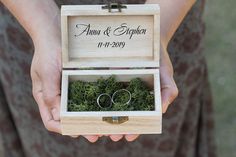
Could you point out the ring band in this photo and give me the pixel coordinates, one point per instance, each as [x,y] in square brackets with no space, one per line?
[112,98]
[98,100]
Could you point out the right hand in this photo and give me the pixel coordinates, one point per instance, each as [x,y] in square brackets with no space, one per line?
[46,78]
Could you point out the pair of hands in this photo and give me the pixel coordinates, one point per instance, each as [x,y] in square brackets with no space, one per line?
[46,79]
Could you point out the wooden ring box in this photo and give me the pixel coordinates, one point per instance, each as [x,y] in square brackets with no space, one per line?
[120,40]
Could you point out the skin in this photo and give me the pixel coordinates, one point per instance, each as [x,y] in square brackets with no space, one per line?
[41,19]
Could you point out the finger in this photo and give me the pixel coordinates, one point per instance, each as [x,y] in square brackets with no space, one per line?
[131,137]
[36,83]
[51,92]
[116,138]
[169,92]
[45,112]
[55,110]
[74,136]
[91,138]
[47,118]
[51,87]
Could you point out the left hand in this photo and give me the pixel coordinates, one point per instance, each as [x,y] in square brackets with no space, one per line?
[169,90]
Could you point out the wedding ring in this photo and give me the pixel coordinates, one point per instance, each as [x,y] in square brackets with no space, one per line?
[112,98]
[119,91]
[104,95]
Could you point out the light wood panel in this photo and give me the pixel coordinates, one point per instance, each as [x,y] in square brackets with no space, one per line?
[95,125]
[144,122]
[134,36]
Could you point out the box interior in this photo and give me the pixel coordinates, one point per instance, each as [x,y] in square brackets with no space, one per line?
[147,78]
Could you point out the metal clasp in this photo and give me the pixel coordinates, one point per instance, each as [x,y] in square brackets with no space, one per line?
[115,120]
[111,6]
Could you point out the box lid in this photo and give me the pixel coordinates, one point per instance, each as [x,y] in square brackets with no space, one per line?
[94,37]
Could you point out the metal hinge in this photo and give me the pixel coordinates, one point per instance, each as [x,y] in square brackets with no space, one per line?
[114,6]
[115,119]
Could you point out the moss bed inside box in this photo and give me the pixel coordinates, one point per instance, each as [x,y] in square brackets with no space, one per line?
[82,95]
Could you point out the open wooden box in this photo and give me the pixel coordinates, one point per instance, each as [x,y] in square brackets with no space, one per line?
[110,38]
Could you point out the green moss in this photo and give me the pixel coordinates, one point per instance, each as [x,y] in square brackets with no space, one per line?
[82,96]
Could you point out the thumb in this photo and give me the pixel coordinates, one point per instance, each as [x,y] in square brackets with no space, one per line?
[51,93]
[169,90]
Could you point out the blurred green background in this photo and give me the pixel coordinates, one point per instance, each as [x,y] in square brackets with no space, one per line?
[220,52]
